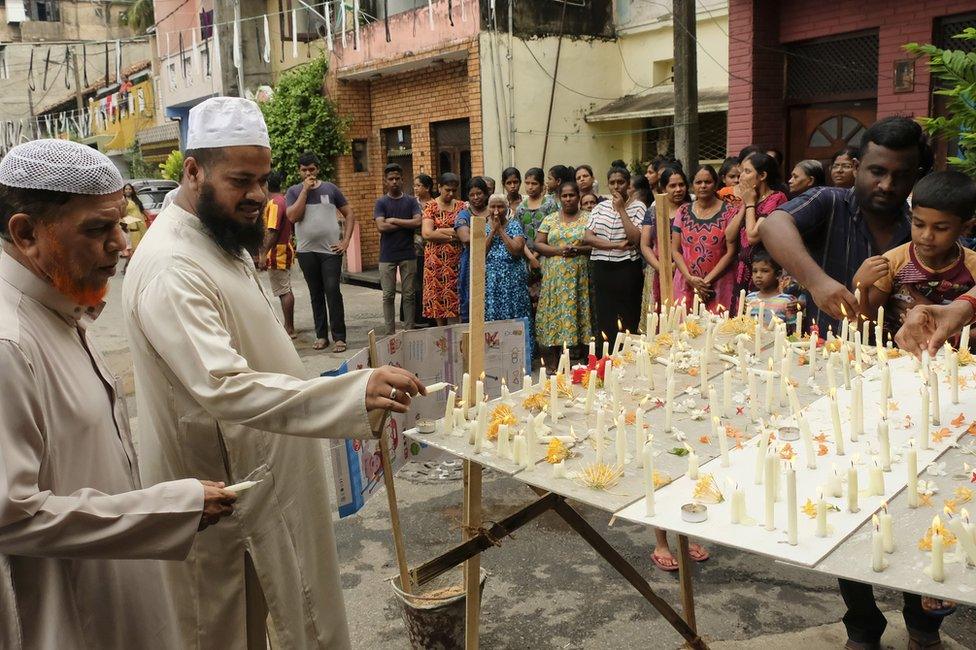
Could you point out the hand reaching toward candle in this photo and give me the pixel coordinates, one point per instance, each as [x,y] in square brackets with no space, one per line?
[927,327]
[391,388]
[217,503]
[830,295]
[872,270]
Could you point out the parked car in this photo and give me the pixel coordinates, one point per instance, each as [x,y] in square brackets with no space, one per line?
[151,192]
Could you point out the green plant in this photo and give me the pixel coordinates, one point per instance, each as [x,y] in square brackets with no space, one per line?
[957,72]
[301,118]
[138,167]
[172,169]
[139,16]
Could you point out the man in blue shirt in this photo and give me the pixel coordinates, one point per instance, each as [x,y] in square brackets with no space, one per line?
[397,216]
[822,237]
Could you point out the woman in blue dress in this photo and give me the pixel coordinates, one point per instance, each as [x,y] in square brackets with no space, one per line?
[506,288]
[477,205]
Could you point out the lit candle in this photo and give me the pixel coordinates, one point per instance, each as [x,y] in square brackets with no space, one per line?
[876,480]
[761,456]
[911,465]
[791,504]
[447,424]
[852,504]
[735,506]
[877,546]
[954,376]
[835,483]
[799,321]
[590,392]
[821,515]
[563,367]
[726,393]
[844,324]
[753,397]
[770,485]
[479,390]
[812,351]
[964,338]
[923,422]
[963,531]
[606,346]
[857,409]
[466,394]
[649,477]
[884,444]
[936,569]
[887,534]
[601,426]
[936,410]
[621,441]
[835,421]
[482,427]
[542,373]
[526,383]
[808,450]
[723,440]
[692,464]
[505,394]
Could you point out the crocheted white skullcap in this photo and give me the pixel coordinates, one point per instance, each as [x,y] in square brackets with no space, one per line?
[61,166]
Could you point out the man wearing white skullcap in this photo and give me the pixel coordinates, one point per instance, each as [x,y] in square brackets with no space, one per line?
[76,526]
[221,389]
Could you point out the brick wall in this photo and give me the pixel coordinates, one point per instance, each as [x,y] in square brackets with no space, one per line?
[434,93]
[799,20]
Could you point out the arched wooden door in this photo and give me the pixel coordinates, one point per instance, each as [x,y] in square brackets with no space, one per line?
[818,131]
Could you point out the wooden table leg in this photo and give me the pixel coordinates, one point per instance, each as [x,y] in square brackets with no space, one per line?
[472,567]
[684,574]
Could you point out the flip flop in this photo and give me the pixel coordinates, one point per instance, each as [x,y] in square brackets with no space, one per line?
[661,563]
[697,553]
[340,346]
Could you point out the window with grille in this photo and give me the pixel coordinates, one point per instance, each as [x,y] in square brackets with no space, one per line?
[842,67]
[659,137]
[949,27]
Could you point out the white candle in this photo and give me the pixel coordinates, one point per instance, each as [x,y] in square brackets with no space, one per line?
[692,464]
[559,470]
[791,530]
[742,303]
[876,480]
[808,451]
[542,374]
[436,387]
[447,424]
[617,388]
[857,409]
[590,392]
[835,421]
[784,376]
[954,376]
[703,373]
[911,465]
[519,451]
[669,401]
[649,477]
[852,503]
[771,381]
[761,456]
[526,383]
[879,328]
[606,347]
[621,441]
[858,351]
[503,449]
[740,346]
[845,365]
[466,394]
[885,389]
[936,569]
[481,428]
[723,441]
[770,486]
[812,351]
[884,444]
[844,327]
[821,515]
[887,533]
[922,428]
[964,338]
[592,348]
[563,367]
[936,407]
[877,546]
[831,376]
[640,437]
[753,397]
[865,332]
[759,331]
[601,426]
[726,393]
[794,400]
[241,487]
[713,407]
[479,392]
[735,507]
[652,328]
[506,396]
[963,531]
[835,483]
[530,440]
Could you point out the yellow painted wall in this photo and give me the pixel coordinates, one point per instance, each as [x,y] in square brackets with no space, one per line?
[123,129]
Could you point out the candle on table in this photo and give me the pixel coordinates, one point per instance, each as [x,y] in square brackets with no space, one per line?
[877,546]
[964,338]
[844,324]
[692,464]
[865,331]
[858,352]
[963,531]
[481,428]
[799,321]
[559,470]
[703,373]
[723,440]
[794,400]
[876,480]
[845,365]
[503,448]
[784,375]
[518,449]
[742,303]
[852,503]
[954,376]
[640,437]
[740,345]
[936,407]
[735,506]
[885,387]
[835,421]
[761,456]
[465,394]
[590,392]
[563,367]
[812,351]
[606,346]
[759,331]
[884,444]
[771,381]
[617,374]
[479,390]
[621,441]
[526,383]
[835,483]
[791,529]
[669,400]
[911,465]
[649,476]
[726,393]
[753,397]
[770,488]
[887,533]
[601,428]
[808,450]
[592,348]
[447,424]
[821,515]
[831,367]
[879,328]
[922,428]
[713,408]
[857,409]
[555,409]
[937,568]
[542,373]
[505,394]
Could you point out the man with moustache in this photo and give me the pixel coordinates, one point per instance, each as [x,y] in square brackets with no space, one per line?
[220,388]
[71,504]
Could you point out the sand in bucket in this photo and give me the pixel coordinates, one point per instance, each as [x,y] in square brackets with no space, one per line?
[434,613]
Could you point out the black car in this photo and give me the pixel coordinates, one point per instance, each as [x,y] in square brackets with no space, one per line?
[152,191]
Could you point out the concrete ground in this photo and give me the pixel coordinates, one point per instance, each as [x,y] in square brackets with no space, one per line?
[547,588]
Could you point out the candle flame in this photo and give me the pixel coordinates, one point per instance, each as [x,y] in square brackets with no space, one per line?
[503,381]
[604,335]
[947,512]
[843,310]
[482,375]
[965,515]
[884,506]
[875,522]
[936,524]
[620,325]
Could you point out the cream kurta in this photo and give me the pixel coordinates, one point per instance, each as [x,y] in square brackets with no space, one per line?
[217,381]
[70,496]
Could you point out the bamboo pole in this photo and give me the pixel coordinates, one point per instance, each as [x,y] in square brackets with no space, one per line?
[663,213]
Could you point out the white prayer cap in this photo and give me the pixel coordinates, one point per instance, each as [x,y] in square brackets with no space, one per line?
[226,122]
[59,165]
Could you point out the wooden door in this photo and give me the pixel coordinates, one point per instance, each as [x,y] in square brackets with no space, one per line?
[452,148]
[818,131]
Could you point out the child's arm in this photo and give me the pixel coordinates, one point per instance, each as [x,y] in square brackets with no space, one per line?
[872,270]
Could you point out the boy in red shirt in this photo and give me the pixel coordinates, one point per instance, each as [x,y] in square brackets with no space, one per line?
[277,253]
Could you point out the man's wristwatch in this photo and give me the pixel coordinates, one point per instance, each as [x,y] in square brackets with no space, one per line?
[972,303]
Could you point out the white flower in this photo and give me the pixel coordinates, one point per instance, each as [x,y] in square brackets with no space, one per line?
[927,488]
[697,414]
[679,435]
[693,391]
[936,469]
[739,398]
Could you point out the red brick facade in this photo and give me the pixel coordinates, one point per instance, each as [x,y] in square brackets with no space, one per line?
[441,91]
[756,110]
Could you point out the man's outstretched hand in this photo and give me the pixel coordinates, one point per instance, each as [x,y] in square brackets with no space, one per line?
[217,503]
[392,388]
[927,327]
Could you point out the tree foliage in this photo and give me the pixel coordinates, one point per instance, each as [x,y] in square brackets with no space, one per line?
[957,72]
[139,16]
[172,169]
[301,118]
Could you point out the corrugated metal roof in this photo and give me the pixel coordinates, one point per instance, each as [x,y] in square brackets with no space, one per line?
[657,103]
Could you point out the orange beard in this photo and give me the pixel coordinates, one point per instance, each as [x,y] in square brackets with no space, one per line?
[64,281]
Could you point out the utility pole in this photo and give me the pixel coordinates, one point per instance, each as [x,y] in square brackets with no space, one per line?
[79,99]
[685,83]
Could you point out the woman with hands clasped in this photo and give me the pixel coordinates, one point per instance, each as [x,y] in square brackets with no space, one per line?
[506,280]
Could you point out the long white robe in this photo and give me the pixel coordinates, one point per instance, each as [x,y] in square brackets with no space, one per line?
[217,381]
[74,523]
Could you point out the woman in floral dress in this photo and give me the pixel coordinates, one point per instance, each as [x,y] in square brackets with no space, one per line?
[477,205]
[442,253]
[506,291]
[564,303]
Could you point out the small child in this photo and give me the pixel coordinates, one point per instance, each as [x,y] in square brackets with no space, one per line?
[933,268]
[767,276]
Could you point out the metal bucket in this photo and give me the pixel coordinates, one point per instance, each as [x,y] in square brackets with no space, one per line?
[435,622]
